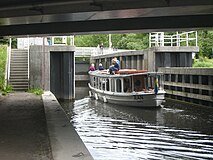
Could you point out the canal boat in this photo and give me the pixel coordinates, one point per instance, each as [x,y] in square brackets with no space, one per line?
[128,87]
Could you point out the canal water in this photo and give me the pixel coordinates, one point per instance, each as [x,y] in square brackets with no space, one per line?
[112,132]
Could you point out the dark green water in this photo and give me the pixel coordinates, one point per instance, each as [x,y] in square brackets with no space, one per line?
[111,132]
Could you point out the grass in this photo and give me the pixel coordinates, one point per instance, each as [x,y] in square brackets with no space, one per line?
[203,62]
[36,91]
[3,59]
[6,90]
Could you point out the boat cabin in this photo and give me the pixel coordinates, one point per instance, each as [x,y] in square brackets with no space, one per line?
[139,82]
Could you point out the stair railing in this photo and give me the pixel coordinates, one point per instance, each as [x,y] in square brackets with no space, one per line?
[8,59]
[28,61]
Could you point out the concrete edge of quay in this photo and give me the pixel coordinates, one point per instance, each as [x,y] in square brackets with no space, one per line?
[64,140]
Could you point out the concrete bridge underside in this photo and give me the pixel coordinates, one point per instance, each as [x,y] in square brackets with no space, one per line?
[50,17]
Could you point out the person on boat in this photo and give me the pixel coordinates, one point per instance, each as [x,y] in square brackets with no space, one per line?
[100,67]
[92,67]
[117,61]
[156,85]
[114,67]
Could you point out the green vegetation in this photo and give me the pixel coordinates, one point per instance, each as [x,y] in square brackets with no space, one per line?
[36,91]
[203,62]
[82,59]
[205,43]
[139,41]
[135,41]
[3,59]
[5,41]
[7,89]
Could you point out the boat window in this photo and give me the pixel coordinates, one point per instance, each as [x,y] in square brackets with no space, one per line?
[118,85]
[92,79]
[152,82]
[103,82]
[149,82]
[160,81]
[112,85]
[107,84]
[139,83]
[127,85]
[96,82]
[99,83]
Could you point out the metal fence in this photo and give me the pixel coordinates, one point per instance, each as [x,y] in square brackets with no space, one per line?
[159,39]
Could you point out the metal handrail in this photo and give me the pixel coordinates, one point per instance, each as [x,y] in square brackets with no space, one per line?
[6,68]
[28,59]
[9,57]
[160,39]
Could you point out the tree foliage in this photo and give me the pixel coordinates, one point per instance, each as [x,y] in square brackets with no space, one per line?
[5,41]
[121,41]
[205,43]
[139,41]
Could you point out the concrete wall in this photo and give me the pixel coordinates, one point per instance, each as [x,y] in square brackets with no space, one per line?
[128,59]
[81,74]
[152,58]
[171,56]
[189,84]
[40,64]
[81,67]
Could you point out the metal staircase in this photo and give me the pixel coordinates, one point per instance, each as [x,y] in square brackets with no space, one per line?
[18,75]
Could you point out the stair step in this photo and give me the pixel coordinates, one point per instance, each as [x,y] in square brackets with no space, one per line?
[19,63]
[19,55]
[18,80]
[18,52]
[19,69]
[18,84]
[14,76]
[20,89]
[18,77]
[15,88]
[19,73]
[18,59]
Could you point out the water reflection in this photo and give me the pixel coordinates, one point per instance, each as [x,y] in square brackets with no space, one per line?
[117,132]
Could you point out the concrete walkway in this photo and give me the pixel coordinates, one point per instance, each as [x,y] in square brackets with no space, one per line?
[23,130]
[65,142]
[28,131]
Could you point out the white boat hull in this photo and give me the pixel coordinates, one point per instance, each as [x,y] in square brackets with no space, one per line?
[138,99]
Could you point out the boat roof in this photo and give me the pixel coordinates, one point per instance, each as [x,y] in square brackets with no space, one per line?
[105,74]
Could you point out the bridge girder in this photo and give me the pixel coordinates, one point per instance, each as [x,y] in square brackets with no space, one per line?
[51,17]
